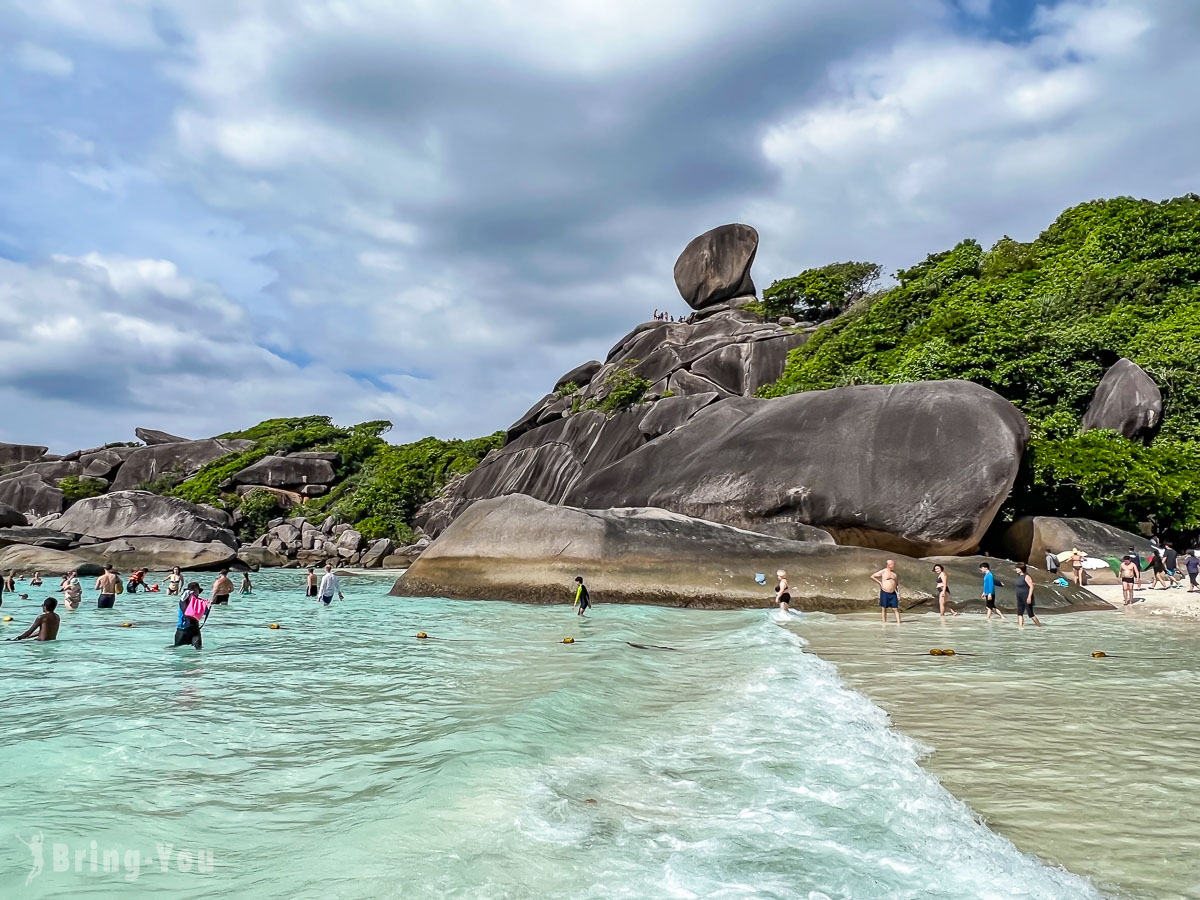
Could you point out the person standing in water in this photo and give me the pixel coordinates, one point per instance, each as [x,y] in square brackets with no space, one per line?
[889,590]
[174,581]
[783,592]
[1128,574]
[989,591]
[1024,588]
[247,587]
[582,598]
[193,609]
[310,583]
[942,587]
[45,625]
[108,584]
[221,589]
[72,591]
[330,586]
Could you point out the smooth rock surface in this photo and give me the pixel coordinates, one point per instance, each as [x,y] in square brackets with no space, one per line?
[25,559]
[141,514]
[1126,401]
[10,517]
[920,468]
[11,454]
[157,553]
[1027,539]
[147,464]
[261,557]
[285,472]
[715,266]
[38,537]
[31,495]
[153,437]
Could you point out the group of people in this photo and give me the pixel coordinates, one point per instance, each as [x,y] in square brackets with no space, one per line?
[665,317]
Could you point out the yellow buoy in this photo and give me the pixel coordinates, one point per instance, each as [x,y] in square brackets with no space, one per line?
[273,626]
[936,652]
[568,640]
[126,624]
[8,618]
[947,653]
[1099,654]
[422,634]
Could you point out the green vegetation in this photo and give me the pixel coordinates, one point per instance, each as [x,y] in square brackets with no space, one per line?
[624,388]
[817,294]
[1039,323]
[75,488]
[567,390]
[166,482]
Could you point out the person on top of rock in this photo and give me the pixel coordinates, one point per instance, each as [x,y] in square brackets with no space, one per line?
[1051,562]
[583,599]
[45,625]
[889,590]
[783,592]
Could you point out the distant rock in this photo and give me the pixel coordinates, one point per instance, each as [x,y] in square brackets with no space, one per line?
[153,438]
[11,454]
[103,463]
[1126,401]
[24,559]
[284,472]
[376,553]
[52,471]
[9,517]
[124,514]
[580,376]
[919,468]
[38,537]
[1029,538]
[147,464]
[158,553]
[261,557]
[31,494]
[519,549]
[716,266]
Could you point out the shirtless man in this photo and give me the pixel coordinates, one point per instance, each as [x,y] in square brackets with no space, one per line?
[889,590]
[222,588]
[310,584]
[107,584]
[45,625]
[1129,574]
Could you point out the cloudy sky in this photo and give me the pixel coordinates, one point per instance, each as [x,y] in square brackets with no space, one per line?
[427,210]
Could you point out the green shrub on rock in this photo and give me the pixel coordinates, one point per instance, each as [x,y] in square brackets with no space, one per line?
[74,487]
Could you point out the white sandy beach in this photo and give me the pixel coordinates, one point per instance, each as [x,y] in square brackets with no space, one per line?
[1170,602]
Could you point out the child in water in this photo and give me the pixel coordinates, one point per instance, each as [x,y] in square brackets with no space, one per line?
[192,609]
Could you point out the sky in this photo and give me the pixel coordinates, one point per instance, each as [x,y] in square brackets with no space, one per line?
[427,210]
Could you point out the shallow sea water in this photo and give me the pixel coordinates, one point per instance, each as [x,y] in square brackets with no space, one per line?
[341,757]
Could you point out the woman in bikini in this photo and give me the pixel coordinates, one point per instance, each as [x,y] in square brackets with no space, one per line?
[942,589]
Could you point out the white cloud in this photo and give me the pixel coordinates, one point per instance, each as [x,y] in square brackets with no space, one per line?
[43,60]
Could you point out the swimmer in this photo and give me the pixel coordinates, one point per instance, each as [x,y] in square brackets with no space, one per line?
[889,590]
[330,586]
[192,609]
[36,580]
[72,590]
[108,585]
[310,583]
[222,588]
[246,586]
[989,591]
[942,588]
[783,594]
[583,599]
[1128,574]
[45,625]
[1024,588]
[174,581]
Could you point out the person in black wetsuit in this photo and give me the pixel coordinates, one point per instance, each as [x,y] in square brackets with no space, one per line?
[1024,588]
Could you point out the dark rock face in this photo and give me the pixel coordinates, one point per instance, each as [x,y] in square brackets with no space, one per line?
[38,537]
[1126,401]
[919,468]
[716,266]
[261,557]
[125,514]
[1029,538]
[580,376]
[11,454]
[285,471]
[149,463]
[48,471]
[23,559]
[671,412]
[31,494]
[103,463]
[518,549]
[152,437]
[127,553]
[9,517]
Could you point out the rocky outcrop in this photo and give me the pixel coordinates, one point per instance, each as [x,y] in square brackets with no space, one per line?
[580,376]
[284,472]
[1126,401]
[716,266]
[375,554]
[158,553]
[919,468]
[24,559]
[261,557]
[284,499]
[38,537]
[127,514]
[1028,539]
[9,517]
[520,549]
[15,454]
[31,494]
[184,458]
[49,471]
[152,437]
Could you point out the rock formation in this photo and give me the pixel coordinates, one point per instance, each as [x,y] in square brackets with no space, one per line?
[128,553]
[127,514]
[24,558]
[146,464]
[285,471]
[716,266]
[9,517]
[519,549]
[17,454]
[152,437]
[1126,401]
[31,494]
[1029,538]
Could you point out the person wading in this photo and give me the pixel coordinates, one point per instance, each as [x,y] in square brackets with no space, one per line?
[889,590]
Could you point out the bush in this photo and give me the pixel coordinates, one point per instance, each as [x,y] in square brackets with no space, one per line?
[624,389]
[75,488]
[566,390]
[819,293]
[1040,323]
[258,508]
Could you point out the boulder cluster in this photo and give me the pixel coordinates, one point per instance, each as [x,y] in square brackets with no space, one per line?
[296,542]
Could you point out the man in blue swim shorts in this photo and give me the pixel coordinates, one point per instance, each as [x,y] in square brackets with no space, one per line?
[889,590]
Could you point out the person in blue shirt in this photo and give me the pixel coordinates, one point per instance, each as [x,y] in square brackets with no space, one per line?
[989,591]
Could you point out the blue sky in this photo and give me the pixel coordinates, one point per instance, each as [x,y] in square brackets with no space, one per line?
[214,213]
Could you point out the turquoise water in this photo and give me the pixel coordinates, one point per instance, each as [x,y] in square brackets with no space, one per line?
[340,757]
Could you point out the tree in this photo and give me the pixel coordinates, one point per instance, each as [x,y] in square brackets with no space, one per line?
[821,293]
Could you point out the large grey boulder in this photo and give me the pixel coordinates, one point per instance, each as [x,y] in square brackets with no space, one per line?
[1029,538]
[519,549]
[284,472]
[123,514]
[375,554]
[716,266]
[261,557]
[152,437]
[9,517]
[671,412]
[11,454]
[146,464]
[103,463]
[38,537]
[919,468]
[580,376]
[1126,401]
[53,471]
[158,553]
[24,559]
[31,494]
